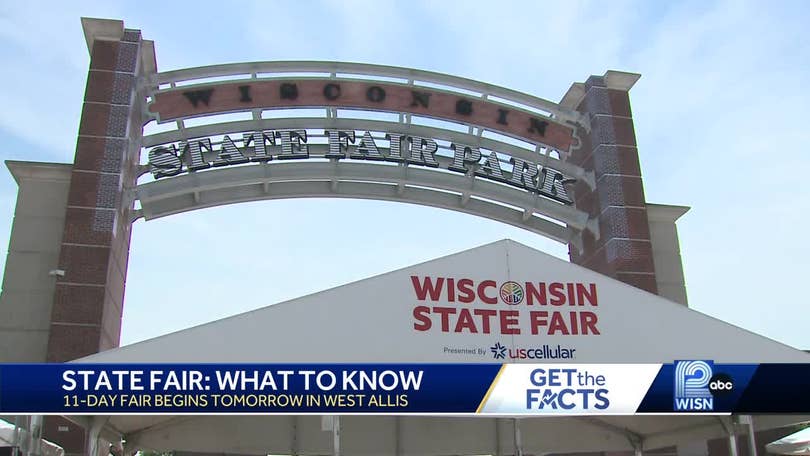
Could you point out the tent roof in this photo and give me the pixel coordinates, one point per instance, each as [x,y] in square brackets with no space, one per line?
[48,448]
[795,444]
[373,320]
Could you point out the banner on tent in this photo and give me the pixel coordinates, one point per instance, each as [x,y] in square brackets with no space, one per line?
[689,386]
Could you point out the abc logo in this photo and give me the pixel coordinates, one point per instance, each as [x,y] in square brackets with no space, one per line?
[721,384]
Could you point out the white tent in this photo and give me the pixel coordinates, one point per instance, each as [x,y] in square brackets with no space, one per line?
[372,320]
[383,320]
[795,444]
[7,439]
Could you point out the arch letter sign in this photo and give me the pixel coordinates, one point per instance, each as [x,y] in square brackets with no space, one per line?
[446,142]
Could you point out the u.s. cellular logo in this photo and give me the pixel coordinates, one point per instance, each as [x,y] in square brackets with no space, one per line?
[692,386]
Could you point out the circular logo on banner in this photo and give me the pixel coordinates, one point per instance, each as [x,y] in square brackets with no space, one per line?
[721,384]
[512,293]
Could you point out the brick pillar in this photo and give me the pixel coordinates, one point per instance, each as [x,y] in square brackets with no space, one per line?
[88,299]
[623,249]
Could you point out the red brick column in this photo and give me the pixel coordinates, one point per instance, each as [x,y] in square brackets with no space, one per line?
[623,249]
[88,300]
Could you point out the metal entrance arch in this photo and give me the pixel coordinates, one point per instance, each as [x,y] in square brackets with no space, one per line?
[518,158]
[179,98]
[76,293]
[568,171]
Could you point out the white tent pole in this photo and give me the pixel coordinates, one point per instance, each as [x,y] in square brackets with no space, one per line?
[91,446]
[25,435]
[15,437]
[336,436]
[398,435]
[93,433]
[752,440]
[732,439]
[294,436]
[732,444]
[518,439]
[35,436]
[498,446]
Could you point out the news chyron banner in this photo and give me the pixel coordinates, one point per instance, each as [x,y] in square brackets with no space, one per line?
[688,386]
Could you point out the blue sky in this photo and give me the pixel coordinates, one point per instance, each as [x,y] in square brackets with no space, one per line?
[720,114]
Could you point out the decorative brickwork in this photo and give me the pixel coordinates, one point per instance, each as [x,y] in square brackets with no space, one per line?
[88,301]
[88,298]
[623,249]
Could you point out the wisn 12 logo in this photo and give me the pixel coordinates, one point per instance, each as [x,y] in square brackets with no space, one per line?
[696,386]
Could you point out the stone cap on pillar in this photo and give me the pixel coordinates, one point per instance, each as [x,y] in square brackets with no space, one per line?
[101,29]
[27,170]
[113,30]
[619,80]
[665,212]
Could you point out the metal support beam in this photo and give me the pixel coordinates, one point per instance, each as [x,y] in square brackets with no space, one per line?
[752,439]
[295,446]
[732,445]
[728,427]
[360,180]
[15,437]
[23,434]
[518,438]
[732,441]
[398,435]
[35,436]
[93,435]
[498,446]
[336,436]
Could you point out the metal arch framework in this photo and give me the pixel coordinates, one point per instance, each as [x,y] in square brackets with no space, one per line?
[412,77]
[324,123]
[362,180]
